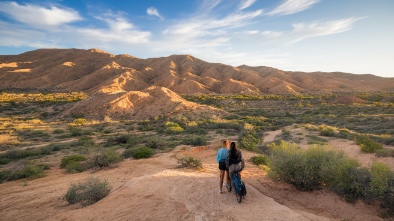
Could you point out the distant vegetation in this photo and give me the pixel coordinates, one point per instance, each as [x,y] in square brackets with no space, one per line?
[42,97]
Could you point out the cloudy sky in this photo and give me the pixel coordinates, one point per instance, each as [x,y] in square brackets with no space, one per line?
[355,36]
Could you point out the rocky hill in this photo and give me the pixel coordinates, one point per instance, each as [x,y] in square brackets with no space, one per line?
[126,85]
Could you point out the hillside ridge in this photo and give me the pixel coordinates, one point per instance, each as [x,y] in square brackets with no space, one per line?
[108,77]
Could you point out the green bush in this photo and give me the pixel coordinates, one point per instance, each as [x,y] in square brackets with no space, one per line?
[326,131]
[104,158]
[80,121]
[367,145]
[88,192]
[76,132]
[4,160]
[121,139]
[195,141]
[380,153]
[259,160]
[300,168]
[5,175]
[143,152]
[381,176]
[249,140]
[173,128]
[30,171]
[25,153]
[73,163]
[318,166]
[58,131]
[86,141]
[190,162]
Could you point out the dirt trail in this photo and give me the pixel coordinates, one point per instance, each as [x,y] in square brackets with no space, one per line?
[155,189]
[270,136]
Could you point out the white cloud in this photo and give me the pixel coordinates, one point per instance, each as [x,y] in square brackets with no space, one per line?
[119,31]
[207,6]
[39,16]
[272,34]
[153,12]
[246,4]
[203,26]
[302,31]
[292,6]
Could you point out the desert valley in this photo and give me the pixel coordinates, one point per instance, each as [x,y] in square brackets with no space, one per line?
[145,133]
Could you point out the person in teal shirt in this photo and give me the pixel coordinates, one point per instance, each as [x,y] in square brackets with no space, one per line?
[221,159]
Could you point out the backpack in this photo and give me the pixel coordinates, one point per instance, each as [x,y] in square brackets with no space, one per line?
[239,185]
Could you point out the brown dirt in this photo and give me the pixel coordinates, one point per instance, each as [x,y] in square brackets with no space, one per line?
[156,189]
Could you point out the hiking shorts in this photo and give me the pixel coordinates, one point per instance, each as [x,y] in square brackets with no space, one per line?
[222,165]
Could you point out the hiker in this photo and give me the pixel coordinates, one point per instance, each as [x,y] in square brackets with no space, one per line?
[235,162]
[221,159]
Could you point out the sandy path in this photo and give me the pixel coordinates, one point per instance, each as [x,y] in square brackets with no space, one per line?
[270,136]
[155,189]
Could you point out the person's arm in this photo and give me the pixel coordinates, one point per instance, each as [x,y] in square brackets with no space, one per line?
[242,160]
[218,156]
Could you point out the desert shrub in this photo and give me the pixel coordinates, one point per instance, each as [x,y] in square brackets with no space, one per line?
[73,164]
[381,179]
[259,160]
[154,142]
[4,161]
[121,139]
[172,127]
[344,176]
[30,171]
[142,152]
[104,158]
[249,140]
[34,134]
[317,166]
[345,133]
[196,130]
[195,141]
[286,134]
[300,168]
[79,121]
[316,140]
[86,141]
[5,175]
[58,131]
[130,152]
[367,145]
[25,153]
[327,131]
[189,162]
[382,153]
[146,125]
[76,131]
[88,192]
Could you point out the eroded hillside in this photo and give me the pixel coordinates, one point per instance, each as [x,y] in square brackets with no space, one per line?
[139,88]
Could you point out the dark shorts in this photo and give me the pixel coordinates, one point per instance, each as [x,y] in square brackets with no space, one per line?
[222,165]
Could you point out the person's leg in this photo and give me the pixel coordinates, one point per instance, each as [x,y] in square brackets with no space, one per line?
[227,177]
[221,180]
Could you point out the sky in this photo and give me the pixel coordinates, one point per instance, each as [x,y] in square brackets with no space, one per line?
[353,36]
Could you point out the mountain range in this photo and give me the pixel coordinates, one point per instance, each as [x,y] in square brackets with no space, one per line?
[127,85]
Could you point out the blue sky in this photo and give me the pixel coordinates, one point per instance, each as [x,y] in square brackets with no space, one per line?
[355,36]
